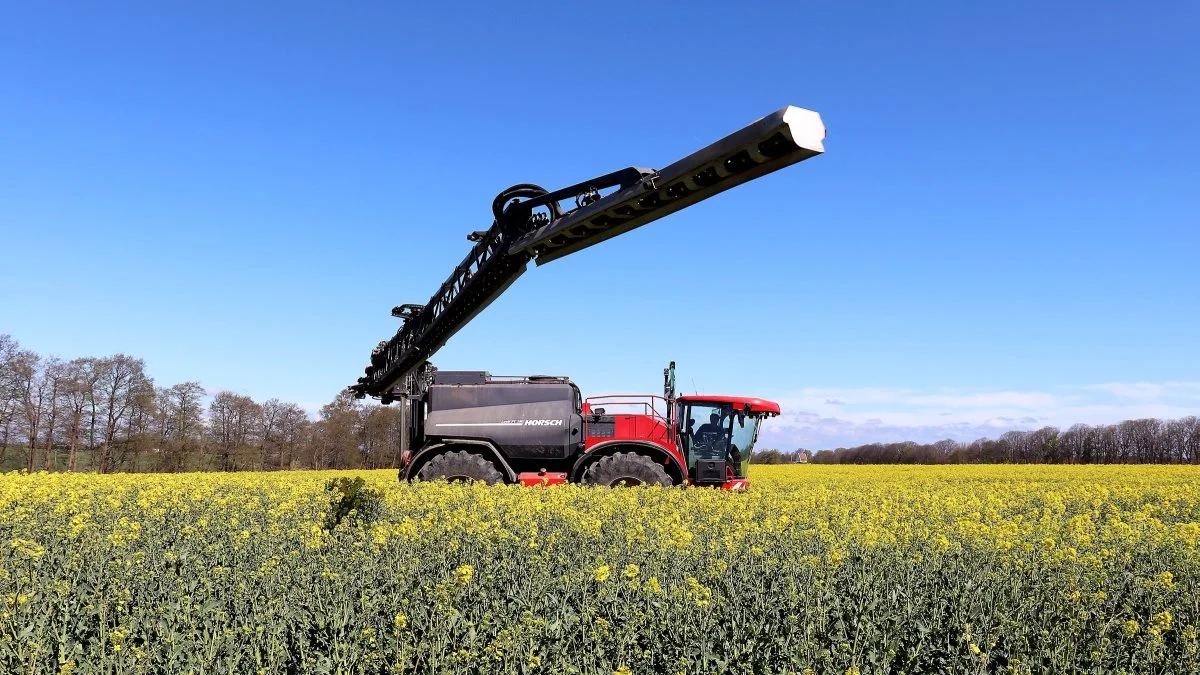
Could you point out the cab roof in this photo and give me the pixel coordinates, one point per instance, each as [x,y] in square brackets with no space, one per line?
[757,405]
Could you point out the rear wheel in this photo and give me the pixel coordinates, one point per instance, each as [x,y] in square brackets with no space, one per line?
[460,466]
[625,469]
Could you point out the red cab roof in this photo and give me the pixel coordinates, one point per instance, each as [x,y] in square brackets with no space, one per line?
[757,405]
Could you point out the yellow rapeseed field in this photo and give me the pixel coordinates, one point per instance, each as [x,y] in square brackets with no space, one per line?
[1033,569]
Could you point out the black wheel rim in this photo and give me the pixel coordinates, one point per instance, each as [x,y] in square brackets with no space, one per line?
[625,481]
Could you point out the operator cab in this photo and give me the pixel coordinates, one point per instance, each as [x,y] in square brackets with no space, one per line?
[717,434]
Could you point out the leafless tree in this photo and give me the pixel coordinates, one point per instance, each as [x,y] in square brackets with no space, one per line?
[180,426]
[1017,444]
[1189,431]
[378,436]
[334,443]
[9,398]
[1077,444]
[946,447]
[232,420]
[76,393]
[54,379]
[294,431]
[1043,445]
[121,377]
[280,427]
[31,387]
[139,428]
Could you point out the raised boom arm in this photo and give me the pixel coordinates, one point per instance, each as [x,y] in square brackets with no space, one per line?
[532,224]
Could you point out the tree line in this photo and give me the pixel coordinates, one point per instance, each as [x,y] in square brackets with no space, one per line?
[105,414]
[773,456]
[1140,441]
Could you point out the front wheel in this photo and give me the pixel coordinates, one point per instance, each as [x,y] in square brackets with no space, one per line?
[460,466]
[625,469]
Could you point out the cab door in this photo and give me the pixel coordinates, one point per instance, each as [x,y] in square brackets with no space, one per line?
[704,430]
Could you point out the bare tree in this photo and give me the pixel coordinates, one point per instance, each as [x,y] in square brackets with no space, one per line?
[1077,444]
[180,426]
[76,393]
[31,388]
[1018,446]
[139,429]
[1189,429]
[93,372]
[1139,440]
[294,430]
[335,445]
[279,433]
[54,378]
[9,398]
[232,420]
[268,432]
[378,436]
[945,448]
[120,378]
[1043,445]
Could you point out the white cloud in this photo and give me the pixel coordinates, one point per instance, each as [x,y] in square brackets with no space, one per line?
[1150,390]
[819,418]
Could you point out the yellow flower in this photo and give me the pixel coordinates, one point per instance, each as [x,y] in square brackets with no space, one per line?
[260,538]
[697,592]
[27,548]
[622,670]
[463,574]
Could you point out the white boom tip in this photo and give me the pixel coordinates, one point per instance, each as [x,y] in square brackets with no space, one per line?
[805,127]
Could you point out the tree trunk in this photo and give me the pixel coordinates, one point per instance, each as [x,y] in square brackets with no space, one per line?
[47,454]
[73,456]
[104,456]
[4,440]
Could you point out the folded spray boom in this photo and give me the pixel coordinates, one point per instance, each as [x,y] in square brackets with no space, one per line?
[532,223]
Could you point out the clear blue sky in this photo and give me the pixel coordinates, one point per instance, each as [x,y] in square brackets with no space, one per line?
[1002,232]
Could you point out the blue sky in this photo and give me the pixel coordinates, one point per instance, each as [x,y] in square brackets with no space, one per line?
[1001,234]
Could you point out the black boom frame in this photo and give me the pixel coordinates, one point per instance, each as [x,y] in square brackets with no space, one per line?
[530,223]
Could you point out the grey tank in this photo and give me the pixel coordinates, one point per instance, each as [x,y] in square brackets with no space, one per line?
[527,418]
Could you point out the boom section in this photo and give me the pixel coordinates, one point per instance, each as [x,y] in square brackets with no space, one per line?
[478,280]
[783,138]
[532,223]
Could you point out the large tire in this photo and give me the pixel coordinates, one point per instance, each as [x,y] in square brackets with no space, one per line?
[624,469]
[460,466]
